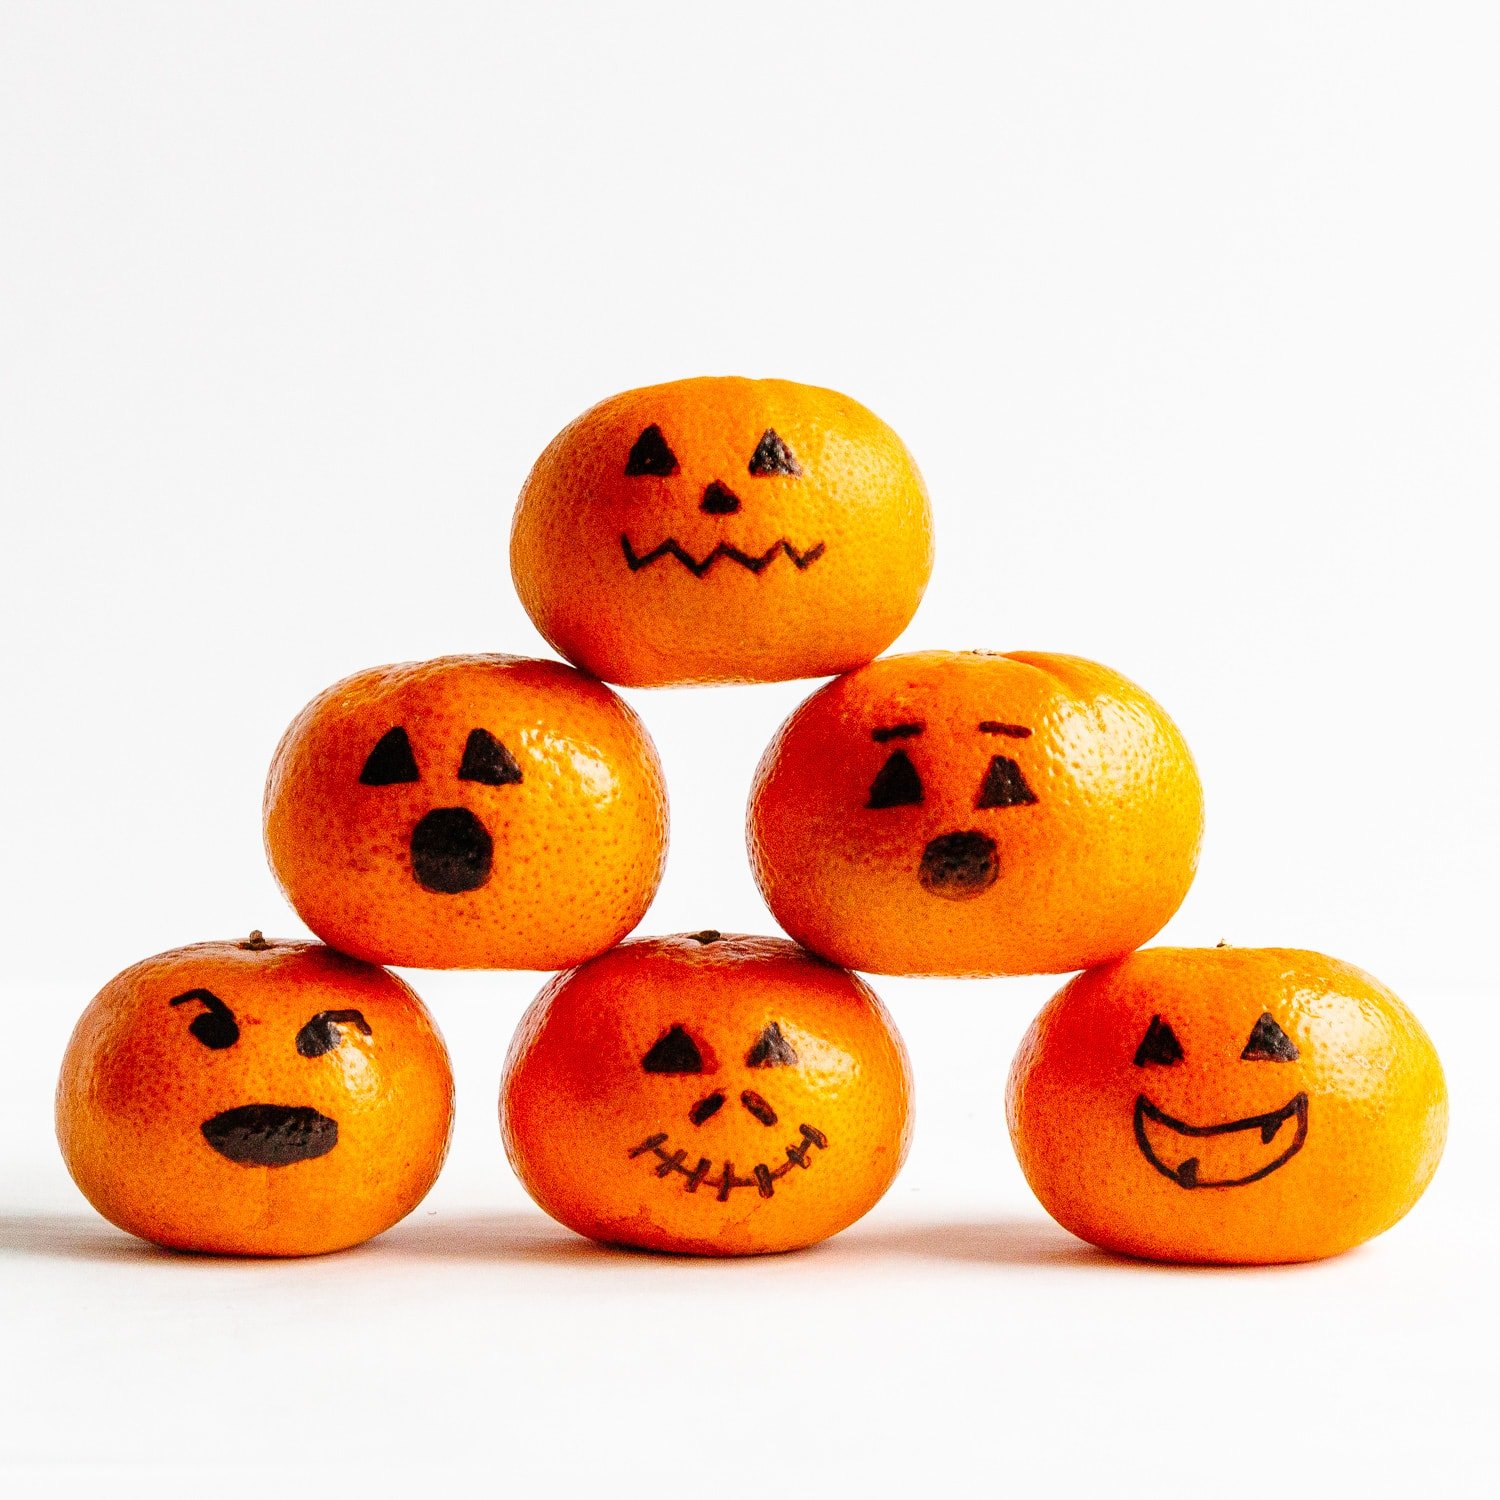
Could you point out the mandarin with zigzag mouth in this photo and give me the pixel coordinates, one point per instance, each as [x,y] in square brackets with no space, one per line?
[751,562]
[723,480]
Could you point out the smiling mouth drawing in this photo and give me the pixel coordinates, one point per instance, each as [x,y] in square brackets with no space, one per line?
[669,548]
[762,1178]
[271,1135]
[1189,1173]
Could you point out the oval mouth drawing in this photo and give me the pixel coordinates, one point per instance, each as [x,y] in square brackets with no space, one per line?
[1231,1160]
[271,1135]
[751,561]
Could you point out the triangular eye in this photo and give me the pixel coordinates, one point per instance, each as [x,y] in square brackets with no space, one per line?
[1004,785]
[771,1050]
[487,760]
[1159,1047]
[391,761]
[1269,1043]
[673,1052]
[897,783]
[650,455]
[772,456]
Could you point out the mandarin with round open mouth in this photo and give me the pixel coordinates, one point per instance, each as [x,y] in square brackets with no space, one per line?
[468,812]
[255,1098]
[969,813]
[718,1095]
[722,530]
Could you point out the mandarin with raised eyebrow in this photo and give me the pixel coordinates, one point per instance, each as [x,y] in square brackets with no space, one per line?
[254,1098]
[941,857]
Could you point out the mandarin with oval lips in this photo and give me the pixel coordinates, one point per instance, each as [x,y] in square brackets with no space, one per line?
[1233,1105]
[255,1098]
[720,529]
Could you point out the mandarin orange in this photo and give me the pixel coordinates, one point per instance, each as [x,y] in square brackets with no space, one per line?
[255,1098]
[468,812]
[722,530]
[970,813]
[1239,1105]
[707,1094]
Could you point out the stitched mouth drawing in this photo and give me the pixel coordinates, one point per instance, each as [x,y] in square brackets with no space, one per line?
[762,1177]
[748,560]
[1232,1159]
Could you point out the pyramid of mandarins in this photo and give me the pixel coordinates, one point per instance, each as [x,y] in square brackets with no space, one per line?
[962,813]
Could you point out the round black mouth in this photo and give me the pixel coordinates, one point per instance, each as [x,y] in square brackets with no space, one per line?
[451,851]
[271,1135]
[959,866]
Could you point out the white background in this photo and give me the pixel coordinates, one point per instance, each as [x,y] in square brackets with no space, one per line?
[1190,316]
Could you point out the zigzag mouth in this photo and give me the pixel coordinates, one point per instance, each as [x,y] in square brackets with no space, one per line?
[747,560]
[762,1178]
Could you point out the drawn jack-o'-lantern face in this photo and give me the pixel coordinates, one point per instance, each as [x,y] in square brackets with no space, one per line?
[706,1094]
[1227,1104]
[971,813]
[721,529]
[255,1099]
[468,812]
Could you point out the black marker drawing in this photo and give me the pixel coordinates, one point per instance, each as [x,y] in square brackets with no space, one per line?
[1188,1173]
[216,1027]
[487,761]
[771,1050]
[674,1051]
[321,1034]
[1004,785]
[762,1178]
[1159,1047]
[896,784]
[1269,1043]
[271,1135]
[391,762]
[772,456]
[651,455]
[755,564]
[719,500]
[959,866]
[451,851]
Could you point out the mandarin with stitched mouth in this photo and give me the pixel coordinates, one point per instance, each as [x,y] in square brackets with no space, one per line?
[255,1098]
[722,530]
[707,1095]
[1231,1105]
[970,813]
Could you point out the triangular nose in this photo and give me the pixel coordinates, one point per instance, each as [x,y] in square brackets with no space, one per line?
[718,500]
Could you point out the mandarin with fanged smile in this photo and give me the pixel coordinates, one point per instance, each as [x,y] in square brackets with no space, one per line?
[707,1095]
[722,530]
[1227,1104]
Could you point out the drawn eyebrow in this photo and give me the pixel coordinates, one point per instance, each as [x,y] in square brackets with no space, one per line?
[896,732]
[1011,731]
[216,1026]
